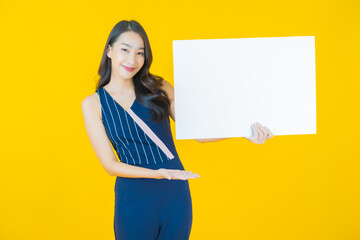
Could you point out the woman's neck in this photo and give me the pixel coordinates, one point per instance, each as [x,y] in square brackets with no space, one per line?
[122,86]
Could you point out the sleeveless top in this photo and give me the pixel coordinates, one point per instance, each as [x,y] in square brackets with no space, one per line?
[136,143]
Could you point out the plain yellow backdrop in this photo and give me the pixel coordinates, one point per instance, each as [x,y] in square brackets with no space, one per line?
[291,187]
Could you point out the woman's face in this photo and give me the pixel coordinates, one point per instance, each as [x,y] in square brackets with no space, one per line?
[127,54]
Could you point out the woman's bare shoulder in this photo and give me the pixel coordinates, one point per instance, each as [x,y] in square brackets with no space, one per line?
[169,89]
[91,103]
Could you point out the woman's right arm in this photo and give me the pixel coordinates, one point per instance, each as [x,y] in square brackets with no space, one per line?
[101,144]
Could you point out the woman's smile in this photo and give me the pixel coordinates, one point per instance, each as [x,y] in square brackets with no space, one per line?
[128,68]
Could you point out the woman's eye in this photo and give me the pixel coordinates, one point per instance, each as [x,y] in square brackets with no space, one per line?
[141,53]
[124,49]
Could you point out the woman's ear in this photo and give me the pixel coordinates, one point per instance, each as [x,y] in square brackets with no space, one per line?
[108,51]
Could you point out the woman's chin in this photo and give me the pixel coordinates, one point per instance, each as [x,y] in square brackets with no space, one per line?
[127,76]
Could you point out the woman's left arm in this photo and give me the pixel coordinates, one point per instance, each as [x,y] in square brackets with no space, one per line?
[261,134]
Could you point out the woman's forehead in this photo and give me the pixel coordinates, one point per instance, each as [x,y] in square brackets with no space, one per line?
[131,39]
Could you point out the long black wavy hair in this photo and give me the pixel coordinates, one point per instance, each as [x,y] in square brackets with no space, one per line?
[147,86]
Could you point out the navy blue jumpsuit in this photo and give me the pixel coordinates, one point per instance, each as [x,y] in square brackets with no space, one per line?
[146,208]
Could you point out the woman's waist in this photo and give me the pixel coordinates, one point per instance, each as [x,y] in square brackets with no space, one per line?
[174,163]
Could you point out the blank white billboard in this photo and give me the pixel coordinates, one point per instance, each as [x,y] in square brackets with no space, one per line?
[222,86]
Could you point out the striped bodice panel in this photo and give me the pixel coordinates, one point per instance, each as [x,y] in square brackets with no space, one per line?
[131,143]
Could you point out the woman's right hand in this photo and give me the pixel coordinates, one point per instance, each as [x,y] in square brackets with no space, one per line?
[176,174]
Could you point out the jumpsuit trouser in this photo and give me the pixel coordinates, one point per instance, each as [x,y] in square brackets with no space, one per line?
[153,209]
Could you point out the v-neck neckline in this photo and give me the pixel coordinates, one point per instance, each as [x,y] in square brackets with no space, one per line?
[132,105]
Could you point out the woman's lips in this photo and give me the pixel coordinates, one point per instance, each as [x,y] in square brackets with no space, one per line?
[128,68]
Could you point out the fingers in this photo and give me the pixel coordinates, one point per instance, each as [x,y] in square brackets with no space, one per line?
[267,132]
[165,173]
[256,133]
[181,174]
[261,133]
[270,133]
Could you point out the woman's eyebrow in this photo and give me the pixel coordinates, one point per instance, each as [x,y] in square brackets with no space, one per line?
[129,45]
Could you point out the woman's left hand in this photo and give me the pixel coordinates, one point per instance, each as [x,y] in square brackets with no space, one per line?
[261,134]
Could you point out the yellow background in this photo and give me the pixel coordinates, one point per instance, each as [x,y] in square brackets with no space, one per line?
[291,187]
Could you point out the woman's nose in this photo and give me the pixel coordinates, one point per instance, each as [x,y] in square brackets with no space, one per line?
[131,59]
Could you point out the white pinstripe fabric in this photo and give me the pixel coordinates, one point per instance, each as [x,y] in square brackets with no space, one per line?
[115,130]
[119,143]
